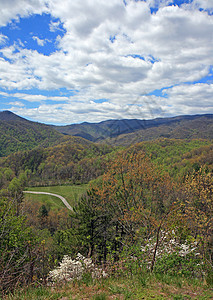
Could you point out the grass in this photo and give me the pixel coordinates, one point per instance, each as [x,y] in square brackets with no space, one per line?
[118,287]
[70,193]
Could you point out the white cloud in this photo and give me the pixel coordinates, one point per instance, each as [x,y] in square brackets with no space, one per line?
[197,95]
[33,98]
[200,4]
[190,99]
[55,26]
[146,52]
[183,99]
[3,39]
[13,9]
[16,103]
[158,3]
[39,41]
[76,112]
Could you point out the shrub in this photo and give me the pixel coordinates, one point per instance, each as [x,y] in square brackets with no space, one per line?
[174,257]
[70,269]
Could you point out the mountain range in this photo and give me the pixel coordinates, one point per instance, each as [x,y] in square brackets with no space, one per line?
[17,133]
[136,130]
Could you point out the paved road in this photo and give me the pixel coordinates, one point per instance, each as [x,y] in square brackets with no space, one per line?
[55,195]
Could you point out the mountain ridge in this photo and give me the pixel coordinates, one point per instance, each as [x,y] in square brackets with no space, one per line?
[113,128]
[17,133]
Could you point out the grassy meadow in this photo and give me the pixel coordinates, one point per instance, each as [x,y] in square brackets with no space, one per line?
[127,286]
[70,193]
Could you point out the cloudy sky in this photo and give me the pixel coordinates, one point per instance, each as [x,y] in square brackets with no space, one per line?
[70,61]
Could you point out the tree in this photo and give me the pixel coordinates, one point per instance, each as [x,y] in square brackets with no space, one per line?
[129,199]
[198,208]
[93,221]
[16,244]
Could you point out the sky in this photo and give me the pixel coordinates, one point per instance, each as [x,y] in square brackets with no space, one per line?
[65,62]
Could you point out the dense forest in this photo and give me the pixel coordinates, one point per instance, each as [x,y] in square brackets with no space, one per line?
[18,134]
[147,210]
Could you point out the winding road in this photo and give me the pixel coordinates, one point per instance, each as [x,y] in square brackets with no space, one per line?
[50,194]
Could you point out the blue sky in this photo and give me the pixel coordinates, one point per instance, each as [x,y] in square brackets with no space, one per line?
[72,61]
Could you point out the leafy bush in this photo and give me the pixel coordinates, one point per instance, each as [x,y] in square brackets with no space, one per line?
[175,264]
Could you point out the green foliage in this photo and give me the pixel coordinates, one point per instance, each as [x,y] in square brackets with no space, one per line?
[32,293]
[8,174]
[87,279]
[209,275]
[100,297]
[177,157]
[20,135]
[43,212]
[90,222]
[124,200]
[15,186]
[73,161]
[64,242]
[15,243]
[120,287]
[139,191]
[174,264]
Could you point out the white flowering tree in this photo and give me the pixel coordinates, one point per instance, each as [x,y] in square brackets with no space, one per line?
[70,269]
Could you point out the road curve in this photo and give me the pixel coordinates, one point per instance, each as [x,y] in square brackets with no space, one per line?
[55,195]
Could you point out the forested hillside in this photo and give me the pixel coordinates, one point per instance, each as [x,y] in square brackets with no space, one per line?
[197,127]
[79,161]
[73,161]
[126,132]
[145,218]
[178,157]
[150,212]
[18,134]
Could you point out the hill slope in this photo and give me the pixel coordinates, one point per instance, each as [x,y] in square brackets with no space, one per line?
[17,134]
[74,160]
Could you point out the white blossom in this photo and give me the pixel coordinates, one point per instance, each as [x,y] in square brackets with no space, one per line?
[70,269]
[168,244]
